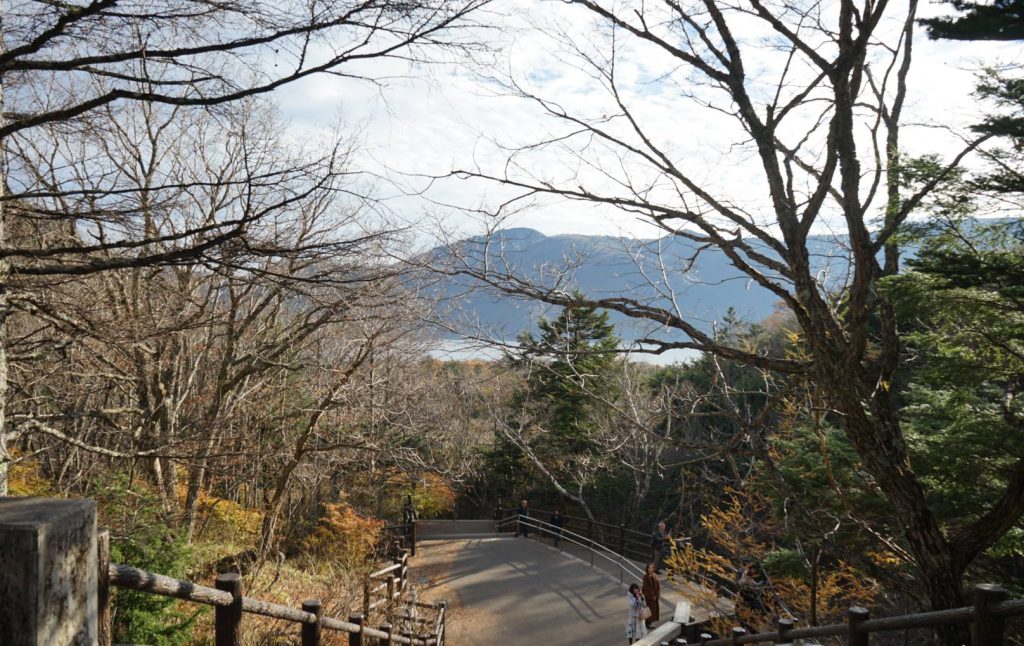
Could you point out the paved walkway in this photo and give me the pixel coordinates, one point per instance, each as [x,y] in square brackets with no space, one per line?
[515,592]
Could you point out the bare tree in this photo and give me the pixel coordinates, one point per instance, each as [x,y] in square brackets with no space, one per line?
[821,119]
[62,63]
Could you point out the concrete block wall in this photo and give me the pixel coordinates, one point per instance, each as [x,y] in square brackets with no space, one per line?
[48,572]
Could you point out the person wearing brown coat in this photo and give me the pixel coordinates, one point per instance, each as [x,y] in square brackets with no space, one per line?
[652,594]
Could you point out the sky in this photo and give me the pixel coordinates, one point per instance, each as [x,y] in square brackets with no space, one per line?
[425,120]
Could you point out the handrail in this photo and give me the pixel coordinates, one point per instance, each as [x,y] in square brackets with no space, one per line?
[132,578]
[619,560]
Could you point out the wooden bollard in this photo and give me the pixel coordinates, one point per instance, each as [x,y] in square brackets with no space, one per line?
[311,632]
[104,636]
[228,619]
[855,616]
[387,641]
[412,539]
[987,628]
[784,626]
[356,638]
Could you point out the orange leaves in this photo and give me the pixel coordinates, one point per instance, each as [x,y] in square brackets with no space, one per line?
[343,536]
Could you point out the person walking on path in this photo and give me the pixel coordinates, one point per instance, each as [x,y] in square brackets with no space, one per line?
[556,530]
[523,525]
[635,627]
[660,543]
[652,595]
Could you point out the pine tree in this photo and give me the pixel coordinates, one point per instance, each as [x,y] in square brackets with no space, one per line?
[572,375]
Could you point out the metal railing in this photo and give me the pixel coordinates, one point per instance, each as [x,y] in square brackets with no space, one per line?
[594,548]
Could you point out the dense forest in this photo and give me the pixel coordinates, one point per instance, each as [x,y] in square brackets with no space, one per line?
[219,332]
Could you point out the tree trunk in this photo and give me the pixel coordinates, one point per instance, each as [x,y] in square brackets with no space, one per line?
[871,425]
[5,456]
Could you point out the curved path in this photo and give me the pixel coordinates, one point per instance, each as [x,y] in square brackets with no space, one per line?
[516,592]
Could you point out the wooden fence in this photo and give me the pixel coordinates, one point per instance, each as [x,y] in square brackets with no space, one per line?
[230,605]
[987,619]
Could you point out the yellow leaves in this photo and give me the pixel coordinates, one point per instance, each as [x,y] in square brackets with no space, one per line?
[343,536]
[228,518]
[740,530]
[26,479]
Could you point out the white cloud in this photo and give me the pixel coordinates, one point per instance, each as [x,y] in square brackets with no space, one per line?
[429,120]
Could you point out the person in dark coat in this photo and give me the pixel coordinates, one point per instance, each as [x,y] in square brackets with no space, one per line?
[660,543]
[523,513]
[556,530]
[652,594]
[409,511]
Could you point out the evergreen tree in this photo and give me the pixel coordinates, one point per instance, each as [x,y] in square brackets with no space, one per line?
[572,374]
[998,20]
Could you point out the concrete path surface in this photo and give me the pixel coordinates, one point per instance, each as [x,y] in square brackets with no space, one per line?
[515,592]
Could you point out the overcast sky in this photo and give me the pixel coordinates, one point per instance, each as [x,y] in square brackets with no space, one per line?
[433,119]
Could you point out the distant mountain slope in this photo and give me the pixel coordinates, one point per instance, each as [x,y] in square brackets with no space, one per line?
[703,285]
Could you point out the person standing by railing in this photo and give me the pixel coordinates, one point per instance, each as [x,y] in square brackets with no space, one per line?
[635,627]
[556,522]
[652,595]
[409,512]
[523,515]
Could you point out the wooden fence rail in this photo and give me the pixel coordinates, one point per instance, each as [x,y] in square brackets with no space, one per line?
[987,618]
[230,604]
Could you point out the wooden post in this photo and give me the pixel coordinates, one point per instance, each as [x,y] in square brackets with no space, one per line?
[356,638]
[366,597]
[412,539]
[391,589]
[622,540]
[854,616]
[105,637]
[737,632]
[987,628]
[387,641]
[784,626]
[311,632]
[228,619]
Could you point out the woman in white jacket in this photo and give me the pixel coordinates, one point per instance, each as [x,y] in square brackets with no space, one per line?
[635,628]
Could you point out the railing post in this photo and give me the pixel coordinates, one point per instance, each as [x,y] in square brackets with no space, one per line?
[311,632]
[987,628]
[366,596]
[855,616]
[387,641]
[784,626]
[391,589]
[622,539]
[356,638]
[736,633]
[105,637]
[228,619]
[412,539]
